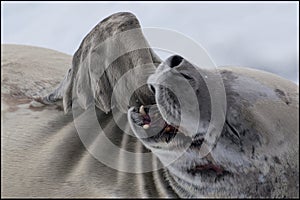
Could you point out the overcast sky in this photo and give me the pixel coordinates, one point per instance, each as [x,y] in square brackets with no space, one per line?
[257,35]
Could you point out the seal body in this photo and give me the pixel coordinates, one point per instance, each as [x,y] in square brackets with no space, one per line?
[43,153]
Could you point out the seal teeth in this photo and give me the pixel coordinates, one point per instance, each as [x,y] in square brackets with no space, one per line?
[167,129]
[146,126]
[142,110]
[193,165]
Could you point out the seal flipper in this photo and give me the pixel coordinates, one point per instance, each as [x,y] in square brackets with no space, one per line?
[56,96]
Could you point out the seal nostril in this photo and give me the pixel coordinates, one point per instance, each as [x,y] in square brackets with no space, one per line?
[175,61]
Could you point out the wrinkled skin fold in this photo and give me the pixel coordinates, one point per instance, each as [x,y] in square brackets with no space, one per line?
[256,154]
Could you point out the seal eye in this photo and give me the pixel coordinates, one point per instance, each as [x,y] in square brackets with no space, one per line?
[186,76]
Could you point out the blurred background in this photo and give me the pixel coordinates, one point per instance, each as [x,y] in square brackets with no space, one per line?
[257,35]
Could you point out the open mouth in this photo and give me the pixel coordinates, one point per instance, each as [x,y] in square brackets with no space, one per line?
[149,120]
[157,129]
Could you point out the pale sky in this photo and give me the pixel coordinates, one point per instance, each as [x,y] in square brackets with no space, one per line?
[257,35]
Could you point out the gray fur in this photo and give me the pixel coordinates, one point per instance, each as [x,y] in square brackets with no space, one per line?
[94,66]
[256,145]
[48,159]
